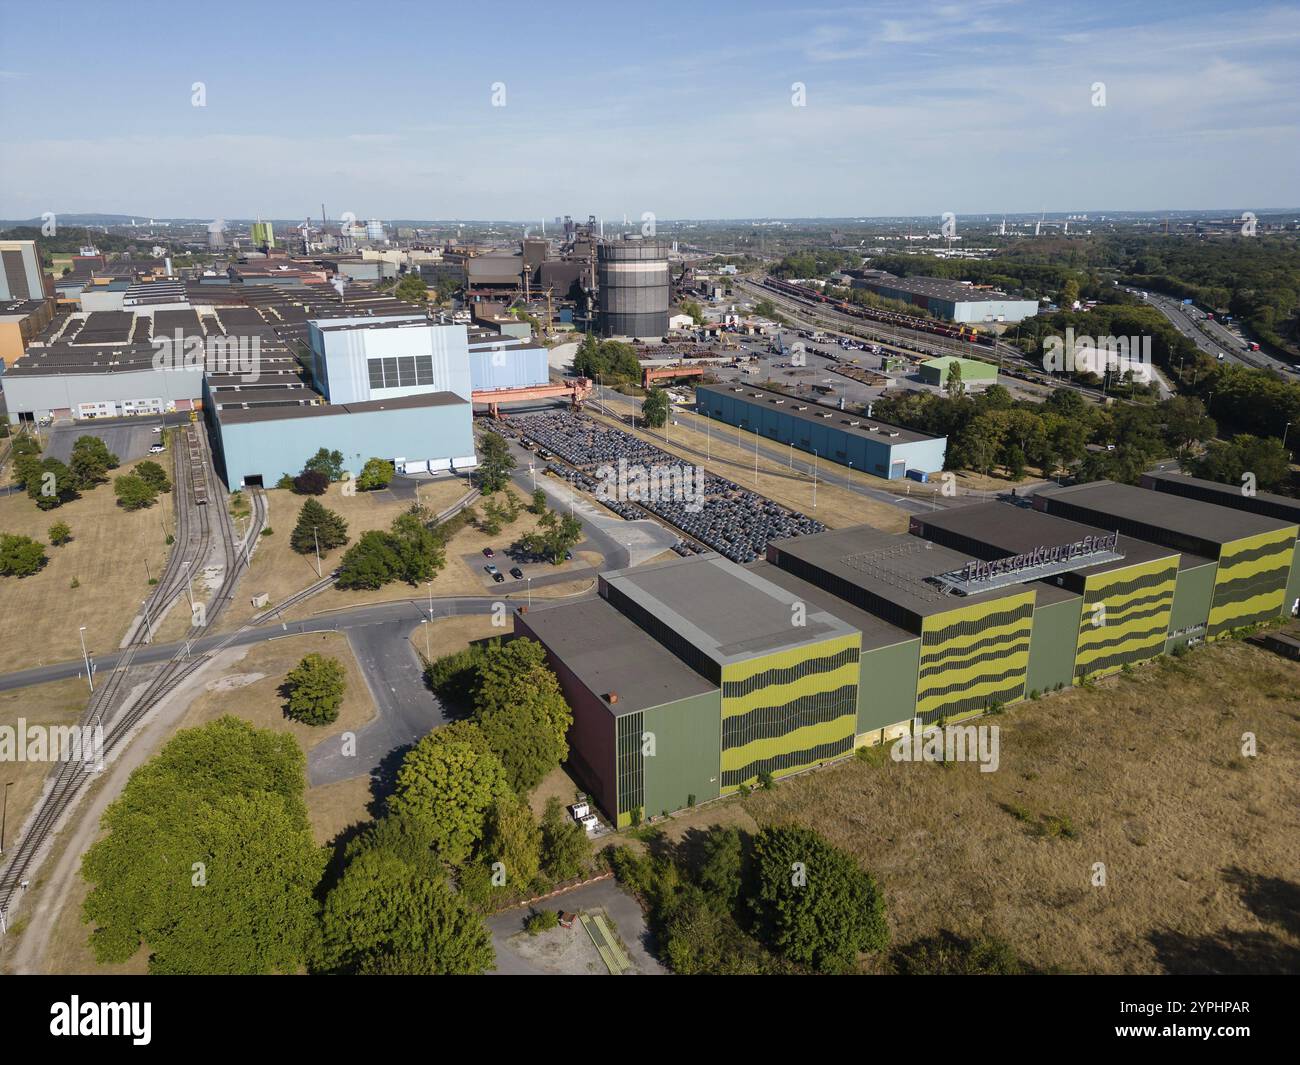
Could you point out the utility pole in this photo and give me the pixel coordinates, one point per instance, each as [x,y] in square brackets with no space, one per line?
[316,541]
[81,632]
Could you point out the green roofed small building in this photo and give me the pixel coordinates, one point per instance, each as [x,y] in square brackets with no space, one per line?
[975,375]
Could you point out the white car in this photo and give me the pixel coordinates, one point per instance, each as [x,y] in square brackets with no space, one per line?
[157,449]
[156,429]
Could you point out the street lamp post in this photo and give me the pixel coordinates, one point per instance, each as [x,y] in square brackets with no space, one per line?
[4,815]
[316,540]
[81,632]
[529,584]
[429,584]
[814,478]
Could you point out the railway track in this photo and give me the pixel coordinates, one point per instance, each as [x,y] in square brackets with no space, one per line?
[111,716]
[1011,360]
[328,580]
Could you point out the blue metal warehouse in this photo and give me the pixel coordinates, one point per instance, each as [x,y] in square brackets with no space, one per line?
[258,445]
[865,444]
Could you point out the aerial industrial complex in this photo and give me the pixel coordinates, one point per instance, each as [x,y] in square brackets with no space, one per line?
[693,678]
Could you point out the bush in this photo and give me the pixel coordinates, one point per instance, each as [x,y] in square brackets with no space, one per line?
[315,689]
[133,492]
[154,476]
[948,954]
[60,533]
[20,556]
[311,483]
[376,473]
[541,921]
[827,919]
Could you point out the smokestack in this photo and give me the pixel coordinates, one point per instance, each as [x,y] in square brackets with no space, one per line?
[612,698]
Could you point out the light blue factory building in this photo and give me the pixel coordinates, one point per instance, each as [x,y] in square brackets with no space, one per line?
[259,445]
[875,447]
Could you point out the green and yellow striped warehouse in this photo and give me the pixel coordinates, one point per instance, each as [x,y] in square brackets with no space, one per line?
[693,678]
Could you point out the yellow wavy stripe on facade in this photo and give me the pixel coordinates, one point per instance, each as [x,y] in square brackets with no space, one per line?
[779,694]
[788,659]
[801,739]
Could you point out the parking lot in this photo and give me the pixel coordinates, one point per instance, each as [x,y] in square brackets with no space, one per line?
[711,510]
[127,440]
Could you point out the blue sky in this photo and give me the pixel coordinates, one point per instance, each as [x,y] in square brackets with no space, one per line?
[681,109]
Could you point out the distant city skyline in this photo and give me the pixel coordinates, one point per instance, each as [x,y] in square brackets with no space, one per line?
[908,109]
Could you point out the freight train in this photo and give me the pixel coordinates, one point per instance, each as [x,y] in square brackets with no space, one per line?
[893,318]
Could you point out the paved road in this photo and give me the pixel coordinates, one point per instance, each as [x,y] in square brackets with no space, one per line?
[1219,338]
[405,708]
[404,610]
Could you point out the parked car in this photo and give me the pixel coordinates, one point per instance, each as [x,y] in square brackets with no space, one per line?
[498,577]
[489,553]
[490,568]
[156,429]
[568,556]
[157,449]
[516,573]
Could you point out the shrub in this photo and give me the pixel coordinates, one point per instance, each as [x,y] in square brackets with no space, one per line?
[315,690]
[20,556]
[541,921]
[60,533]
[133,492]
[311,483]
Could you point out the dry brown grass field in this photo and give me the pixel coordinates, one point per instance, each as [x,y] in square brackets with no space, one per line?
[1145,774]
[58,703]
[279,571]
[249,688]
[111,556]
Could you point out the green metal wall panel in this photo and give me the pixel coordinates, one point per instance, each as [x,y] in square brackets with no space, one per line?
[887,692]
[1192,598]
[687,752]
[1051,648]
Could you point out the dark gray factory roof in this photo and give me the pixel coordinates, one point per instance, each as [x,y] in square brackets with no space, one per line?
[940,288]
[891,566]
[722,609]
[876,632]
[1229,495]
[817,414]
[609,653]
[1177,514]
[1017,530]
[239,416]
